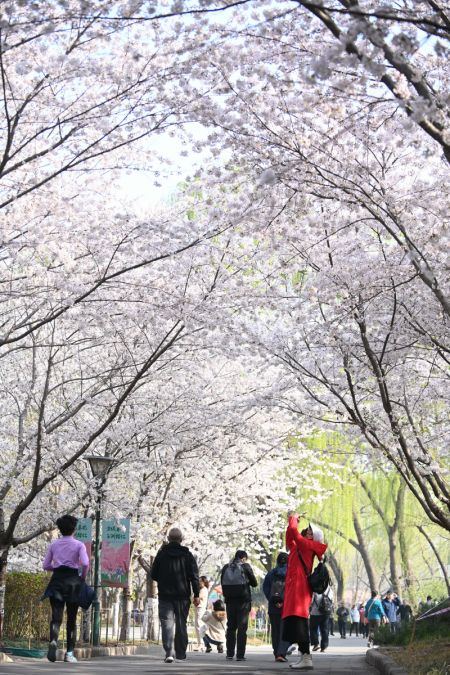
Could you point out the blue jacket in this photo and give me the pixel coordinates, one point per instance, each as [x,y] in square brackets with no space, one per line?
[390,607]
[374,609]
[279,571]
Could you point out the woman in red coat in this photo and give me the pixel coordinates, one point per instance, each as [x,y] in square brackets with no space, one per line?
[297,593]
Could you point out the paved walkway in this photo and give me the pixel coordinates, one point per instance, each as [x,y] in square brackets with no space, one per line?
[342,657]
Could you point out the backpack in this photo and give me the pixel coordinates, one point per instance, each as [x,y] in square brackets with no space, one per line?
[319,579]
[326,605]
[234,580]
[277,589]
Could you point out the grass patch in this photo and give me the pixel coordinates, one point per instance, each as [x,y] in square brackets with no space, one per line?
[422,658]
[421,648]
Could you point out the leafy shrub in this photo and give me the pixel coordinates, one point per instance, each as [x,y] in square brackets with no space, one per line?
[26,617]
[428,629]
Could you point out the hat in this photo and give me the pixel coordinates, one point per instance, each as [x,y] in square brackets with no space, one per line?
[317,533]
[218,606]
[282,558]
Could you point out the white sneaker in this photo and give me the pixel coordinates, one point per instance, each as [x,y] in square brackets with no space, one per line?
[168,659]
[70,658]
[305,663]
[291,650]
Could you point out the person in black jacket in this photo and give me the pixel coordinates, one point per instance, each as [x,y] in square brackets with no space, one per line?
[176,573]
[273,589]
[236,579]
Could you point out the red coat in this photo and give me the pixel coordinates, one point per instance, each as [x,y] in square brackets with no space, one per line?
[297,594]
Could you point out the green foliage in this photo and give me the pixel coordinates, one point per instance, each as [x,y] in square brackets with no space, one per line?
[428,629]
[26,617]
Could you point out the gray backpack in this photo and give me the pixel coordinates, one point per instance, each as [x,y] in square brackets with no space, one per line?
[234,581]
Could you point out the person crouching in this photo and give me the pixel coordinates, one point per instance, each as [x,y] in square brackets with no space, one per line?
[216,625]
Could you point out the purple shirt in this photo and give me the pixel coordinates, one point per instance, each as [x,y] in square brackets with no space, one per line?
[66,551]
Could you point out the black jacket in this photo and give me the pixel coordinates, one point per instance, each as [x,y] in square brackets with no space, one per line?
[176,572]
[246,594]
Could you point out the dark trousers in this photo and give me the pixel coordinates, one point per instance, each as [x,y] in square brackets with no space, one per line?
[342,625]
[173,616]
[354,626]
[237,623]
[209,641]
[279,645]
[316,622]
[296,630]
[56,621]
[331,625]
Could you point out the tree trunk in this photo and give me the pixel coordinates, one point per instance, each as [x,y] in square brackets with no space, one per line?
[364,552]
[393,571]
[409,580]
[438,557]
[338,575]
[151,620]
[127,605]
[3,566]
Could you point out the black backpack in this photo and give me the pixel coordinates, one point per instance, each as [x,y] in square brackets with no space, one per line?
[277,589]
[319,579]
[326,605]
[234,580]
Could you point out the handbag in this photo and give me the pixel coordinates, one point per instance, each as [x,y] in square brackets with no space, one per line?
[319,579]
[86,595]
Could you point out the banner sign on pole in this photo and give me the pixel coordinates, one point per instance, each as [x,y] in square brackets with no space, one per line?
[84,533]
[115,552]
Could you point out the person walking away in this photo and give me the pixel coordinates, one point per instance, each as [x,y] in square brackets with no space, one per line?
[363,622]
[405,612]
[215,623]
[200,610]
[176,573]
[319,619]
[375,613]
[273,588]
[391,604]
[259,618]
[298,595]
[331,625]
[236,578]
[354,620]
[342,614]
[64,558]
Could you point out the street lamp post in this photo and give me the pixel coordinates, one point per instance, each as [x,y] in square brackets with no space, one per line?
[100,466]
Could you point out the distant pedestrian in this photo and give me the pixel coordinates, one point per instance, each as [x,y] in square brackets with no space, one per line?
[236,578]
[274,589]
[298,595]
[405,612]
[428,604]
[342,616]
[64,558]
[215,623]
[354,620]
[331,625]
[391,604]
[363,622]
[176,573]
[374,611]
[200,610]
[319,619]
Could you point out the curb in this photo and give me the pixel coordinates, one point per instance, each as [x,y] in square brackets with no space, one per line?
[83,653]
[384,664]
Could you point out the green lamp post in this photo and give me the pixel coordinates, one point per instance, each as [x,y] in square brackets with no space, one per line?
[100,465]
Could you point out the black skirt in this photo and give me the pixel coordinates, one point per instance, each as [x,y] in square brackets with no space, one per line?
[295,629]
[64,585]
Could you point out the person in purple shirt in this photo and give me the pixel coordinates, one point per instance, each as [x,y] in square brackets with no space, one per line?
[68,560]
